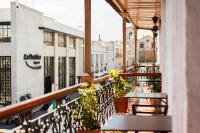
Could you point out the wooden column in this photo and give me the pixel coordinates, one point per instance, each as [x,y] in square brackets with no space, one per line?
[136,65]
[87,75]
[154,51]
[135,46]
[87,37]
[124,16]
[154,56]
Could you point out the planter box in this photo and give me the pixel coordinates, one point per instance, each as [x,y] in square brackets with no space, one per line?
[121,105]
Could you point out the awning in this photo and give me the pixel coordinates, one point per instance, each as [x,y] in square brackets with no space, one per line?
[140,12]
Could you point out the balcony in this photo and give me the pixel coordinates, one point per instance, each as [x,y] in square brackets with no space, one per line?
[176,23]
[36,115]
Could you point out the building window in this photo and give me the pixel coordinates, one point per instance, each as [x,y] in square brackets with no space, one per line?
[48,74]
[72,42]
[61,40]
[72,71]
[62,72]
[5,32]
[5,80]
[141,45]
[48,38]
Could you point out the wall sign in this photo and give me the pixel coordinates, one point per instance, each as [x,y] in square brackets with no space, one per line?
[33,61]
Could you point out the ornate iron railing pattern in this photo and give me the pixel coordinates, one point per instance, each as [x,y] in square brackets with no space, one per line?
[60,120]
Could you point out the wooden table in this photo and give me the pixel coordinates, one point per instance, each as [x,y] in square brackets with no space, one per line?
[125,123]
[160,96]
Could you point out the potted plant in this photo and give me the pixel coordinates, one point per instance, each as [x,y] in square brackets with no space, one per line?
[87,109]
[120,89]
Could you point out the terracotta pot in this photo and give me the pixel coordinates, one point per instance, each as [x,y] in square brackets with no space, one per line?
[89,131]
[121,105]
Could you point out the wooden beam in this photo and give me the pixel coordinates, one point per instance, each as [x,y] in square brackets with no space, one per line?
[117,7]
[146,2]
[88,37]
[124,38]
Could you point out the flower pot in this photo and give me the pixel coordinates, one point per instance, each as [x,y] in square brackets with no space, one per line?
[121,105]
[89,131]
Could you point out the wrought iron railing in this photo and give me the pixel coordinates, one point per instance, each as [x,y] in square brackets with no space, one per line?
[59,119]
[148,76]
[30,119]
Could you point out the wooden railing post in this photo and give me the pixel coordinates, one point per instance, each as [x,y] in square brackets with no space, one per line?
[124,17]
[136,46]
[154,50]
[88,74]
[154,54]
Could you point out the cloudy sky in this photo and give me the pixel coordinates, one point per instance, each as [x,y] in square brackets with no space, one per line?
[105,21]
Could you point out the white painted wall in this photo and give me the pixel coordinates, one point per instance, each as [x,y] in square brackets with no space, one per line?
[173,61]
[130,44]
[5,49]
[56,62]
[4,14]
[25,39]
[52,24]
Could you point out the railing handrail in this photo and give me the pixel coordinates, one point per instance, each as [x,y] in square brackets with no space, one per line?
[153,74]
[101,79]
[149,66]
[14,109]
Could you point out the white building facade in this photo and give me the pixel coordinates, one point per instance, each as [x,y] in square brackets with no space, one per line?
[107,55]
[37,54]
[130,47]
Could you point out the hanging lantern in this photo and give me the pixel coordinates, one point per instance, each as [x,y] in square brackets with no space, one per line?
[155,19]
[155,28]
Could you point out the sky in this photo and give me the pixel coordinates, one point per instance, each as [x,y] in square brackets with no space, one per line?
[105,21]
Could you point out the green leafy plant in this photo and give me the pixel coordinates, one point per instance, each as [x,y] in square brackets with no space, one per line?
[87,107]
[155,82]
[121,87]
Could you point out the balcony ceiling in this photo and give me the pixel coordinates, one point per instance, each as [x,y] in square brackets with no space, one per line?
[140,12]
